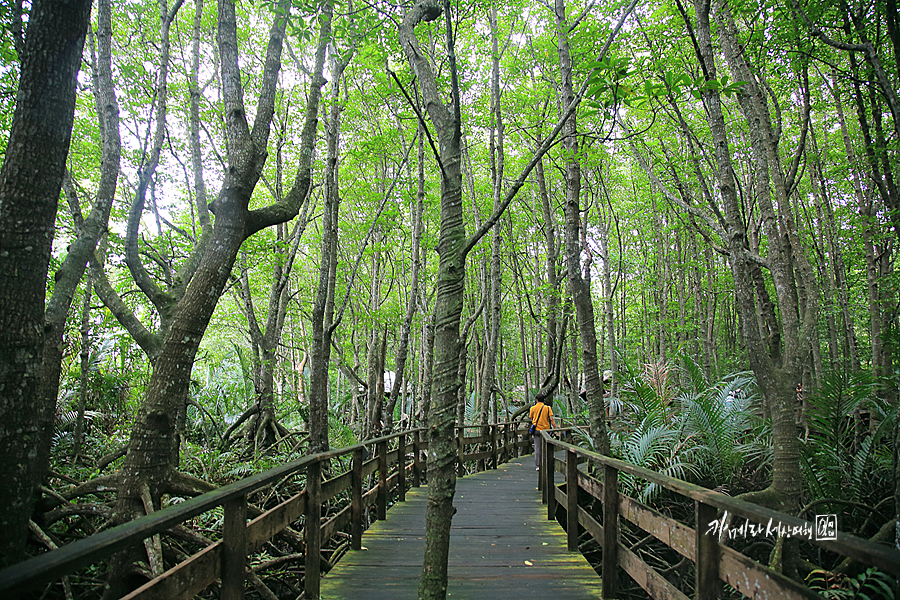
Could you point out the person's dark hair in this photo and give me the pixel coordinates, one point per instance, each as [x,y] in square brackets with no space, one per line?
[540,397]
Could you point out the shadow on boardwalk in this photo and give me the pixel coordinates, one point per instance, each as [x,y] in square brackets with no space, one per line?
[501,547]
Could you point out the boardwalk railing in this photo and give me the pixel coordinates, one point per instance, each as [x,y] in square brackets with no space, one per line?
[395,461]
[713,562]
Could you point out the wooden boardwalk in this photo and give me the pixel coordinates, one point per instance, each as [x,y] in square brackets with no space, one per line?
[501,547]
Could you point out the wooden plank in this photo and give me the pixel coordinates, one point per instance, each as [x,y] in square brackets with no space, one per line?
[265,526]
[572,500]
[494,452]
[680,538]
[501,547]
[184,580]
[356,500]
[460,452]
[590,485]
[312,528]
[382,480]
[590,525]
[706,563]
[881,556]
[393,456]
[417,459]
[757,581]
[483,455]
[610,530]
[370,466]
[335,523]
[336,485]
[657,586]
[401,468]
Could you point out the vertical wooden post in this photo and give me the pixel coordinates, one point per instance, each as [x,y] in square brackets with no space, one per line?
[506,451]
[610,531]
[313,529]
[550,477]
[401,468]
[542,466]
[234,548]
[461,445]
[572,500]
[706,562]
[495,454]
[356,512]
[417,458]
[382,480]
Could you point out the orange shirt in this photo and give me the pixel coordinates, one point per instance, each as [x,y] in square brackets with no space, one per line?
[541,416]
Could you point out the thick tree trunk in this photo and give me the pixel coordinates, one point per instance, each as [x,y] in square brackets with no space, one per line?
[30,182]
[153,449]
[778,361]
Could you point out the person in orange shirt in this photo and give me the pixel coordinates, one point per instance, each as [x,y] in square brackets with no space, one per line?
[542,418]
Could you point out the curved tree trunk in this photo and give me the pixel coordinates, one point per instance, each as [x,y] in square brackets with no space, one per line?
[153,450]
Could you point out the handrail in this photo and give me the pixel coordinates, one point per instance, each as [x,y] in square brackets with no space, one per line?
[241,538]
[700,546]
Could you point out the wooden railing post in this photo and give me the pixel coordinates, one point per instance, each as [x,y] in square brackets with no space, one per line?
[549,477]
[356,511]
[707,560]
[572,500]
[417,460]
[461,445]
[506,452]
[610,531]
[542,469]
[382,480]
[495,454]
[313,527]
[234,548]
[401,467]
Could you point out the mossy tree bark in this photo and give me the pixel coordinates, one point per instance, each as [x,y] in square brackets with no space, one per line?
[448,302]
[30,183]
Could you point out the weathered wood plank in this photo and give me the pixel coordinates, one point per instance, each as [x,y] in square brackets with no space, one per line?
[336,485]
[670,532]
[184,580]
[757,581]
[499,535]
[265,526]
[645,576]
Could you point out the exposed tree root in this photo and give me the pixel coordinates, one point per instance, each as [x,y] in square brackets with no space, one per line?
[153,544]
[261,588]
[259,430]
[44,539]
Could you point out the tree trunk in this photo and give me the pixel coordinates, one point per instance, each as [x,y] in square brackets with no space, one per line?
[448,306]
[495,281]
[323,306]
[403,347]
[581,293]
[30,182]
[153,449]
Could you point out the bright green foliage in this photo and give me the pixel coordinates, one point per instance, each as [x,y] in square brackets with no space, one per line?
[842,456]
[868,585]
